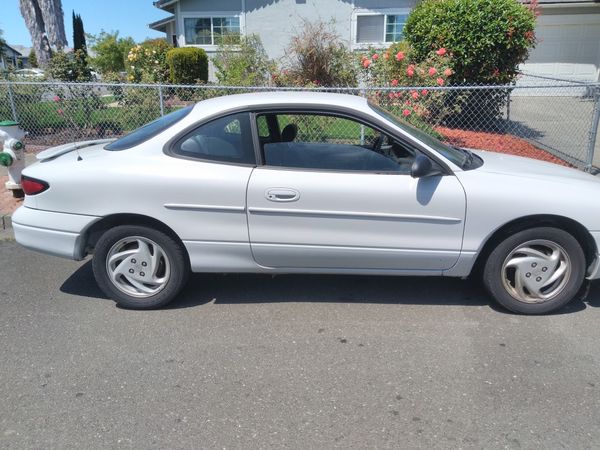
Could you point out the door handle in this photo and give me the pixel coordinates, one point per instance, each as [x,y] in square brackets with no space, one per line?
[282,195]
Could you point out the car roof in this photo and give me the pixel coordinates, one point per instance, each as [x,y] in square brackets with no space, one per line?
[257,99]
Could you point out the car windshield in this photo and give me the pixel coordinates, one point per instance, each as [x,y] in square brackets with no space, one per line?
[457,156]
[149,130]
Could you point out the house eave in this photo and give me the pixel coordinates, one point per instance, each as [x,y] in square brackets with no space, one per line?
[164,4]
[161,25]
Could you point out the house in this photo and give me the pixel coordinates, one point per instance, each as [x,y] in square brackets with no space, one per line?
[9,57]
[568,30]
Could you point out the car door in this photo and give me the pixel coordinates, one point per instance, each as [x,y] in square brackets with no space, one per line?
[335,193]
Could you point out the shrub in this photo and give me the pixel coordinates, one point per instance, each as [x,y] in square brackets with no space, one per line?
[71,66]
[396,67]
[187,65]
[243,62]
[147,62]
[488,38]
[317,56]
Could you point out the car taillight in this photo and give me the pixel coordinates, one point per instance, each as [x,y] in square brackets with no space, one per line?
[32,186]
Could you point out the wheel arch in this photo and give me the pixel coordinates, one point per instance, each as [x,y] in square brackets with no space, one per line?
[91,235]
[576,229]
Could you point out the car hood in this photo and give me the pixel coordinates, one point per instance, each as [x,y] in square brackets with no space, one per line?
[516,166]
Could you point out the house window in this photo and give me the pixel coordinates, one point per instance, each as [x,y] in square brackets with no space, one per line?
[379,28]
[211,30]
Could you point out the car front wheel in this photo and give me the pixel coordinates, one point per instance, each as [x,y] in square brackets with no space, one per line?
[139,267]
[535,271]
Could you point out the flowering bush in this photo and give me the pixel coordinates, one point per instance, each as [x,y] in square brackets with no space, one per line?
[396,67]
[147,62]
[488,38]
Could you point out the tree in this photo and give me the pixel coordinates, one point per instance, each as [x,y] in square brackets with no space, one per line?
[45,22]
[78,34]
[110,51]
[32,58]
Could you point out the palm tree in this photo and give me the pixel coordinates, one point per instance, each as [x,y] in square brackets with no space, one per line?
[44,19]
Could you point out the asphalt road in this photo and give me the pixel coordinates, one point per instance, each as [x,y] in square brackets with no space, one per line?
[292,361]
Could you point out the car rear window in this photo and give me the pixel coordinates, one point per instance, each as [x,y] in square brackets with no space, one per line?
[149,130]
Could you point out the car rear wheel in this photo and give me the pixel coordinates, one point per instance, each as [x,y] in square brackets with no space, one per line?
[535,271]
[139,267]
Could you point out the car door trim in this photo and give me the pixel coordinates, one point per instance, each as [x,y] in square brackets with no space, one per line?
[352,214]
[193,207]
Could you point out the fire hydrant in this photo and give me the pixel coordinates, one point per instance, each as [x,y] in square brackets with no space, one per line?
[12,155]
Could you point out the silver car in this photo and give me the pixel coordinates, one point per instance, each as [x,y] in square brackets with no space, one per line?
[308,183]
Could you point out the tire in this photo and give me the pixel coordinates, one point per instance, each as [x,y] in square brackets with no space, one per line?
[535,271]
[140,267]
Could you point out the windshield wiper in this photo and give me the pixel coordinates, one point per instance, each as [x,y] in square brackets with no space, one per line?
[469,155]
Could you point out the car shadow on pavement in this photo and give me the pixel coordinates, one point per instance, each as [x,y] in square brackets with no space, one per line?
[260,288]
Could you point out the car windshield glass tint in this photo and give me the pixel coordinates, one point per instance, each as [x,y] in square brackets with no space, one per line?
[149,130]
[458,157]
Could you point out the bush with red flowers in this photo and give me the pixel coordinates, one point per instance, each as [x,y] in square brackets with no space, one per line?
[397,67]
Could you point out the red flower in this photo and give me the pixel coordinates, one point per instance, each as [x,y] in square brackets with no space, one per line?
[440,81]
[375,57]
[424,92]
[410,71]
[391,95]
[366,63]
[56,98]
[394,82]
[398,94]
[406,112]
[448,72]
[432,71]
[529,35]
[414,94]
[400,56]
[441,51]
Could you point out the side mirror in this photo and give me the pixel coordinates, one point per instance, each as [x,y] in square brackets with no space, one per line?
[421,167]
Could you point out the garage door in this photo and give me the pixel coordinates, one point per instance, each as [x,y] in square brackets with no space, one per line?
[568,47]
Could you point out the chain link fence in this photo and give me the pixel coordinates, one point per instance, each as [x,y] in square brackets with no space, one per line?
[547,119]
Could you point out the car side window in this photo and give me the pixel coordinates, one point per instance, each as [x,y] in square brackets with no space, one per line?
[226,139]
[328,142]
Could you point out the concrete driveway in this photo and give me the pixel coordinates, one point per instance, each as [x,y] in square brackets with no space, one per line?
[289,362]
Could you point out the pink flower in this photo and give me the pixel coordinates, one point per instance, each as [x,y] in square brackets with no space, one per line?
[448,72]
[440,81]
[391,95]
[410,71]
[60,111]
[400,56]
[398,94]
[432,71]
[414,94]
[375,57]
[56,98]
[424,92]
[441,51]
[366,63]
[406,112]
[394,82]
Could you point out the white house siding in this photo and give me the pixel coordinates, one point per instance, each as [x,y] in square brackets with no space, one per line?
[277,23]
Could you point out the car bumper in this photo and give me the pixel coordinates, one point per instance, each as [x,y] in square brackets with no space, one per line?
[57,234]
